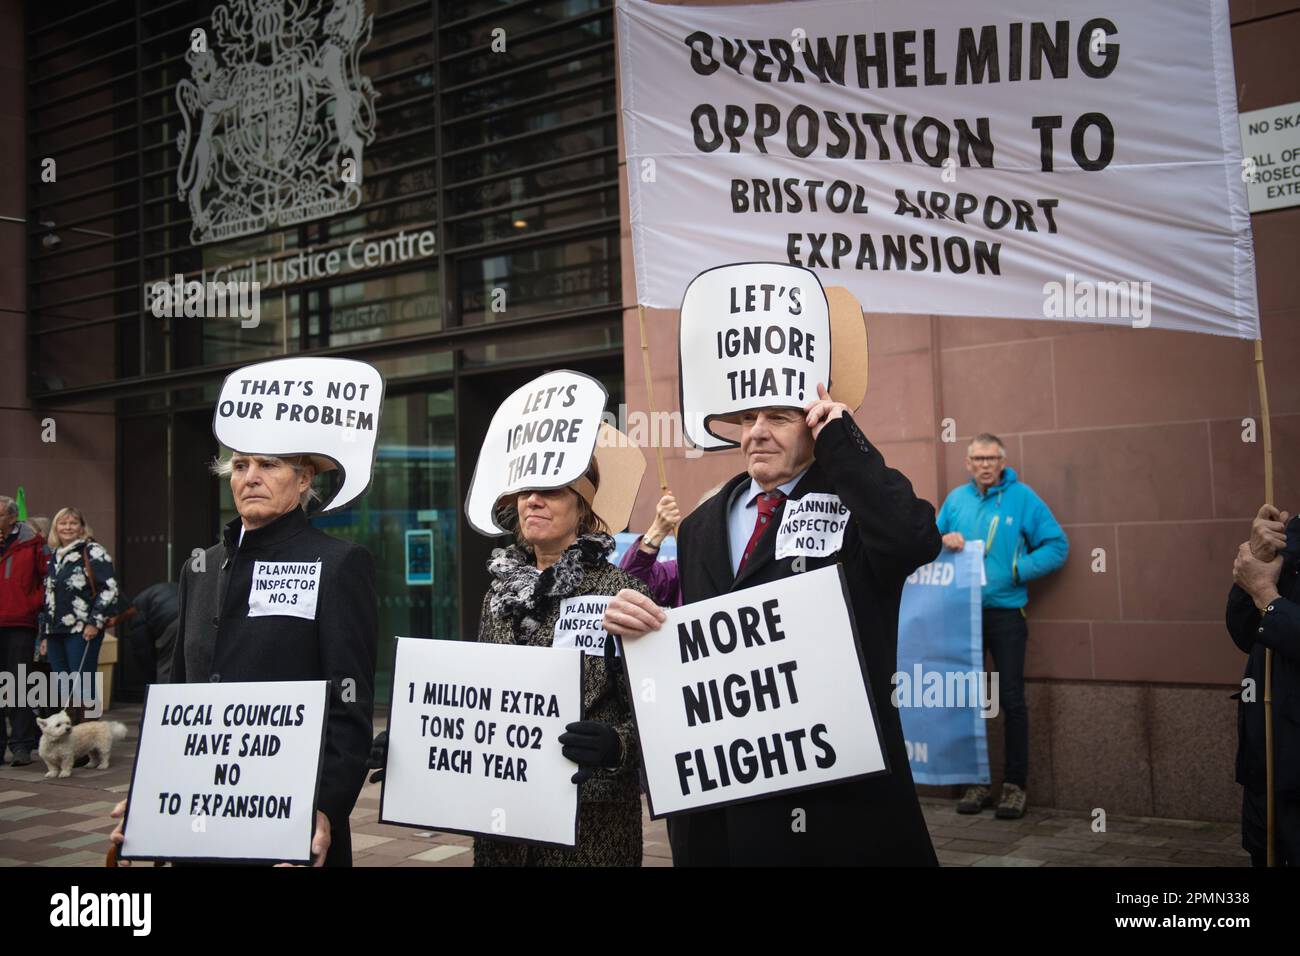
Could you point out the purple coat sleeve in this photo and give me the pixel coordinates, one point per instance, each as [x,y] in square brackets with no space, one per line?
[659,576]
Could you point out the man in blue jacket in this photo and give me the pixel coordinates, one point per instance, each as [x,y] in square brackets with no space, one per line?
[1022,541]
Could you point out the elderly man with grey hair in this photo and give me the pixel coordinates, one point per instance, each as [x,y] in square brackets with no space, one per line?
[22,592]
[1022,542]
[280,600]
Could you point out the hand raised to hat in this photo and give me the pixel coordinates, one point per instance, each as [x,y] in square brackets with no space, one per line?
[591,744]
[823,410]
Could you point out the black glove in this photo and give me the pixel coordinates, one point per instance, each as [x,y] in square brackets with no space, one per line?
[378,757]
[591,744]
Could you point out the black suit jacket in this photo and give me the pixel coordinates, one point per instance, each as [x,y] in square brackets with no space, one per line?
[876,821]
[216,640]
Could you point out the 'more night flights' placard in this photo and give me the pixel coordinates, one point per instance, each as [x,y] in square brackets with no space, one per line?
[473,740]
[227,772]
[755,692]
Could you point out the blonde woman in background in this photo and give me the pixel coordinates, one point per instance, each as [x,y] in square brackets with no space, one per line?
[81,594]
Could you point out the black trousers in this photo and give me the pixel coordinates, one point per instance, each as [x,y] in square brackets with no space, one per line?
[1005,635]
[17,645]
[1254,828]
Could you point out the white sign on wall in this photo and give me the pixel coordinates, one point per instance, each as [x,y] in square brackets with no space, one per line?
[227,772]
[1270,138]
[473,740]
[758,691]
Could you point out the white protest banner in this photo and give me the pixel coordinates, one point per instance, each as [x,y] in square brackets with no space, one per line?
[542,436]
[757,691]
[940,159]
[753,335]
[324,407]
[227,772]
[579,624]
[1271,168]
[473,740]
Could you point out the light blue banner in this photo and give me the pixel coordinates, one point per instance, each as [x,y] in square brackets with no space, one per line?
[940,687]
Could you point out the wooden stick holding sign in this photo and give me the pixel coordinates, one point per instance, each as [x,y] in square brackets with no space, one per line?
[650,396]
[1266,429]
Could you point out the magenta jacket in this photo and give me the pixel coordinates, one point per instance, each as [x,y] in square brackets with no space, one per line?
[660,576]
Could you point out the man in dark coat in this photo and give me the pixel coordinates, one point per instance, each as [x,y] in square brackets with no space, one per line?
[1264,612]
[728,543]
[228,632]
[145,641]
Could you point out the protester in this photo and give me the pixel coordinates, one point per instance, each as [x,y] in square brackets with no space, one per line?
[81,594]
[146,639]
[725,545]
[219,639]
[22,573]
[642,559]
[1264,612]
[1022,542]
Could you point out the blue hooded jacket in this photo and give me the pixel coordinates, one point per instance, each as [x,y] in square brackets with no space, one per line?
[1022,541]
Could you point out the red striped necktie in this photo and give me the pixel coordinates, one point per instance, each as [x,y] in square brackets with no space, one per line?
[768,502]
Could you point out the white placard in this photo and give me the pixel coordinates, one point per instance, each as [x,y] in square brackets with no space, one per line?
[1270,138]
[306,406]
[753,335]
[227,772]
[579,625]
[473,740]
[542,436]
[812,526]
[757,691]
[284,589]
[976,159]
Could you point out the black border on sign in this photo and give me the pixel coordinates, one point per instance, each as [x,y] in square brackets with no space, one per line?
[315,797]
[681,376]
[330,506]
[866,683]
[491,533]
[383,784]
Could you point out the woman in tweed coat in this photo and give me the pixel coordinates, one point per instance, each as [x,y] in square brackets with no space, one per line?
[561,549]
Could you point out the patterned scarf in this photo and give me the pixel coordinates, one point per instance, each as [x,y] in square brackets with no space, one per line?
[520,592]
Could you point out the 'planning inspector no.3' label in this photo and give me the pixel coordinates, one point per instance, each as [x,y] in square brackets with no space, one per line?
[284,588]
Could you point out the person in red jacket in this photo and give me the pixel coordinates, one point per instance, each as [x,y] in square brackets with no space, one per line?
[22,591]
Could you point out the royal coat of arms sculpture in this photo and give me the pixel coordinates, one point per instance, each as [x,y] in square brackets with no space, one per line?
[274,129]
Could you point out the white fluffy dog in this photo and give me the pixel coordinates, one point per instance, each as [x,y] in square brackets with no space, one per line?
[62,744]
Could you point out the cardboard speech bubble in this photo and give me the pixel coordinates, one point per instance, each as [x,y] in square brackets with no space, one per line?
[327,408]
[542,436]
[753,335]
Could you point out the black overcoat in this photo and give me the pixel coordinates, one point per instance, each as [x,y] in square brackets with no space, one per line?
[876,821]
[217,640]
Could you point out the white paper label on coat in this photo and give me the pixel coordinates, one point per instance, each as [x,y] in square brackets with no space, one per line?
[284,589]
[579,625]
[812,526]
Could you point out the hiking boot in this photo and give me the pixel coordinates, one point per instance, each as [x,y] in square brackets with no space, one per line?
[1012,804]
[975,799]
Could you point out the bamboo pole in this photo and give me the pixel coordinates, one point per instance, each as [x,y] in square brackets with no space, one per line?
[650,398]
[1268,652]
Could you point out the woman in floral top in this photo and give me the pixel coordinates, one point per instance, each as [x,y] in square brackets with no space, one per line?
[76,609]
